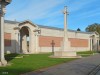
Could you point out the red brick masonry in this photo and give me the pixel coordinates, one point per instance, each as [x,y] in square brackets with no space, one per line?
[7,39]
[46,41]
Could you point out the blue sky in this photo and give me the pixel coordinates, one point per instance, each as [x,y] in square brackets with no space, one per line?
[49,12]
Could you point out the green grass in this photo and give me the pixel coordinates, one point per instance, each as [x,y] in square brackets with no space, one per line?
[32,62]
[29,63]
[86,53]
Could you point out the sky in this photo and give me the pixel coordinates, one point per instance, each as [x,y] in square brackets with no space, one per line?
[50,12]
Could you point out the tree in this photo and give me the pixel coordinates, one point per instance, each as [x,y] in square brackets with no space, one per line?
[93,27]
[78,29]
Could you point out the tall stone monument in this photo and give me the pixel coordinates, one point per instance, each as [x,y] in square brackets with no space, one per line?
[3,3]
[65,51]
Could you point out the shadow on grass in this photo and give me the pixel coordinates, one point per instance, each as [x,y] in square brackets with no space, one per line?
[9,57]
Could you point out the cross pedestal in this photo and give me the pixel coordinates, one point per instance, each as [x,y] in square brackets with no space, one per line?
[65,52]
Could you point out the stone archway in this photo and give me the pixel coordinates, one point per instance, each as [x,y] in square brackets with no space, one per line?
[28,29]
[24,40]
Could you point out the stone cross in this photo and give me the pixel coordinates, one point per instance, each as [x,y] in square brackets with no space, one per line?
[53,44]
[65,39]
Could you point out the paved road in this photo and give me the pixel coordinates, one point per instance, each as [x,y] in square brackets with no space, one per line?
[98,73]
[77,67]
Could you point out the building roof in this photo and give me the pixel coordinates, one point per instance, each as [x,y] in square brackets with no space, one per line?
[56,28]
[11,22]
[49,27]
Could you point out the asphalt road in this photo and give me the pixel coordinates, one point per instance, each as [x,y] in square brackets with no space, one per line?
[77,67]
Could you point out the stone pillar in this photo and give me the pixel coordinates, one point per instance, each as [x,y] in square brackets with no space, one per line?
[36,47]
[24,44]
[17,41]
[2,58]
[37,32]
[94,43]
[32,43]
[97,44]
[91,43]
[65,51]
[66,43]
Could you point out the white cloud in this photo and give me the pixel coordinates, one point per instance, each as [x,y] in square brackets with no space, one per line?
[36,10]
[89,13]
[77,5]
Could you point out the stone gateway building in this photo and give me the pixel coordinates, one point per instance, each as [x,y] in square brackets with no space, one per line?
[29,38]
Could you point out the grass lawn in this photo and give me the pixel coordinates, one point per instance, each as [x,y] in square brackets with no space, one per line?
[86,53]
[29,63]
[26,63]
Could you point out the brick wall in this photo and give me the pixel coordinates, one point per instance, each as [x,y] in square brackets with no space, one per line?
[78,42]
[7,39]
[46,41]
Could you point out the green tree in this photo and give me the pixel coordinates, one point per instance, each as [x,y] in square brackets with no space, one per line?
[78,29]
[93,27]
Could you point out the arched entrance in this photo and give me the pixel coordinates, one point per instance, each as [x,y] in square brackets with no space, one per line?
[24,39]
[28,38]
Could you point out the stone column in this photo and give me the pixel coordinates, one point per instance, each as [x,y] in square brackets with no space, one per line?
[36,47]
[94,43]
[17,41]
[37,32]
[24,44]
[65,51]
[66,43]
[2,58]
[32,43]
[97,43]
[91,43]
